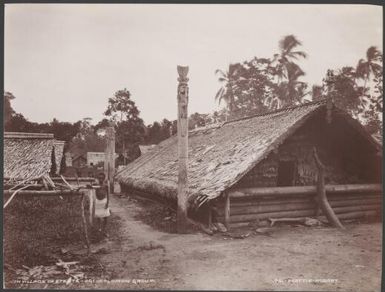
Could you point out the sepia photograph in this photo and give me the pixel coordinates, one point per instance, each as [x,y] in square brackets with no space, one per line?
[193,146]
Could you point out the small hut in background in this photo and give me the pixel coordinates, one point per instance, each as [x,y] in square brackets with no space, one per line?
[29,155]
[263,167]
[32,162]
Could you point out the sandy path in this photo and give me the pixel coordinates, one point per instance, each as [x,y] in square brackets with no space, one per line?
[351,259]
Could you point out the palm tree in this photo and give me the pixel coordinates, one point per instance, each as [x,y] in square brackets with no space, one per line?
[366,68]
[290,91]
[287,55]
[229,86]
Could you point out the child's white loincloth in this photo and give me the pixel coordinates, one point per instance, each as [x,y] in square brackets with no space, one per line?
[100,210]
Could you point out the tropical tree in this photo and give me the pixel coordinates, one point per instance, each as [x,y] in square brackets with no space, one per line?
[229,88]
[8,110]
[123,112]
[286,56]
[369,67]
[341,86]
[290,91]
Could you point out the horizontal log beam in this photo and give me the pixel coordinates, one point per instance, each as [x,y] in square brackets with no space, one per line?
[262,216]
[337,198]
[355,215]
[374,201]
[42,193]
[271,208]
[304,190]
[334,203]
[348,209]
[266,201]
[74,179]
[31,187]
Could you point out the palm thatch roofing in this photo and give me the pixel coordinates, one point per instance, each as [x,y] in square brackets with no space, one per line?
[219,156]
[28,155]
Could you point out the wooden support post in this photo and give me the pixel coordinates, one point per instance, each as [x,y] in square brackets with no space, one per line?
[321,194]
[85,228]
[182,149]
[109,160]
[227,210]
[210,217]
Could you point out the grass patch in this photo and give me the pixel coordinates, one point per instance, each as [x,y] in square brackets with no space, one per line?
[156,215]
[37,228]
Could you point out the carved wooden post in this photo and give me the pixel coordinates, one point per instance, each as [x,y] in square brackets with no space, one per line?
[109,159]
[321,194]
[182,149]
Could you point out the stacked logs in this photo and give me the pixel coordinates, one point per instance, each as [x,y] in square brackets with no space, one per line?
[261,204]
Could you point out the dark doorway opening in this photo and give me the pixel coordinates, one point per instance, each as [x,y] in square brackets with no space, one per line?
[286,173]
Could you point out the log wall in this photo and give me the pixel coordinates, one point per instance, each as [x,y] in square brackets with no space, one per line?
[257,210]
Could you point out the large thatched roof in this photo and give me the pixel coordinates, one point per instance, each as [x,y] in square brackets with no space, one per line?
[218,156]
[28,155]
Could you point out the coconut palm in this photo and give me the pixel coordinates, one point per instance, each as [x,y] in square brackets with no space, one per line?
[229,86]
[290,91]
[366,68]
[287,55]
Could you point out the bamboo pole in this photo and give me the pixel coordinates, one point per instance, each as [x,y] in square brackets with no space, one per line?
[321,194]
[182,149]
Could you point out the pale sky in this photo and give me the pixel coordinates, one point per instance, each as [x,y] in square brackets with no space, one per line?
[64,60]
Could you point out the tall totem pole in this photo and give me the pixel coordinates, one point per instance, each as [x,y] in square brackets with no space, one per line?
[182,149]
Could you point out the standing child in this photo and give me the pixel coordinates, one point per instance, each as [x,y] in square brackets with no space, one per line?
[102,211]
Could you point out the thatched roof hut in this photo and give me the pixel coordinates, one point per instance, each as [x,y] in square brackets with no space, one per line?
[29,155]
[220,156]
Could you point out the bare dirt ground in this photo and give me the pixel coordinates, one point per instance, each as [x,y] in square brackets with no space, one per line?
[290,258]
[137,256]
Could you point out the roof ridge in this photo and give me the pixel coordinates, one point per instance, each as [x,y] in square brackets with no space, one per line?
[320,101]
[27,135]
